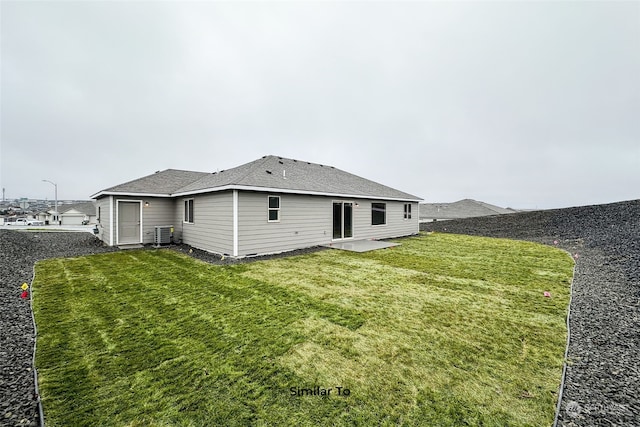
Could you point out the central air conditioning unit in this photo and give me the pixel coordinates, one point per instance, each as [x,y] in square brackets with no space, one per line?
[163,235]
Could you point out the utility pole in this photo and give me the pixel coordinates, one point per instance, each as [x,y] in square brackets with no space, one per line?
[55,211]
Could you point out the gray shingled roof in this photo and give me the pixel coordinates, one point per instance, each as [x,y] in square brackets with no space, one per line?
[164,182]
[466,208]
[87,208]
[269,172]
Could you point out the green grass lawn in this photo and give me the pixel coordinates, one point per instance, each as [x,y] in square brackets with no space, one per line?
[442,330]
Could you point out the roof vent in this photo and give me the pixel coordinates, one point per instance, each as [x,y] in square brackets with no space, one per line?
[280,161]
[269,172]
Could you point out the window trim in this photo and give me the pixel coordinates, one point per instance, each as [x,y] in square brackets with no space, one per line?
[277,210]
[407,212]
[384,212]
[185,216]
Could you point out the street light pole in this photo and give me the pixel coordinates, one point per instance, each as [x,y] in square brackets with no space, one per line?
[55,212]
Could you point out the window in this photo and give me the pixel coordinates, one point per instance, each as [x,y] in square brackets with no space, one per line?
[188,211]
[378,213]
[99,213]
[407,211]
[274,208]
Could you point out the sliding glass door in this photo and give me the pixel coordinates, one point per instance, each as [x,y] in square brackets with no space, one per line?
[342,220]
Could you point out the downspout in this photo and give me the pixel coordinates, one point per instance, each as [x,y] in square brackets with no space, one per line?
[235,223]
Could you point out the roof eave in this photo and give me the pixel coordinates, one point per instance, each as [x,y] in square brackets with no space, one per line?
[293,191]
[128,193]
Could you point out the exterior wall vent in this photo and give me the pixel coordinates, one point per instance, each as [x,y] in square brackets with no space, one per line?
[163,235]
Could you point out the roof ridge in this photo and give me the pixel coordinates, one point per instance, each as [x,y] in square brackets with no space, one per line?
[236,181]
[161,171]
[491,207]
[251,168]
[137,179]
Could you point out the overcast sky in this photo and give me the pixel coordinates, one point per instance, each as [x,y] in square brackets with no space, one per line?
[519,104]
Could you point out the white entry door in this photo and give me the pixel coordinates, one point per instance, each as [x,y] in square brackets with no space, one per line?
[129,222]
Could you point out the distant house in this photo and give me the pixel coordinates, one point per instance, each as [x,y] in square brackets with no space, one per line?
[44,215]
[49,216]
[78,213]
[270,205]
[466,208]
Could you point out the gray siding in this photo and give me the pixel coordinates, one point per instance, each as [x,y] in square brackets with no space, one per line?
[396,225]
[212,228]
[304,221]
[308,221]
[104,220]
[159,212]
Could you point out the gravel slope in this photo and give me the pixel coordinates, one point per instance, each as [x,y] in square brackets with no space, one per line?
[19,251]
[603,373]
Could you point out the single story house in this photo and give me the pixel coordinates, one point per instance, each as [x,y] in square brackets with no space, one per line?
[43,215]
[78,213]
[466,208]
[270,205]
[49,216]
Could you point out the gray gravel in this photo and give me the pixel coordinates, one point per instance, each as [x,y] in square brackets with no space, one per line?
[19,251]
[603,372]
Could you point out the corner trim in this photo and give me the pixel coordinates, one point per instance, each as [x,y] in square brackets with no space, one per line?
[235,223]
[112,218]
